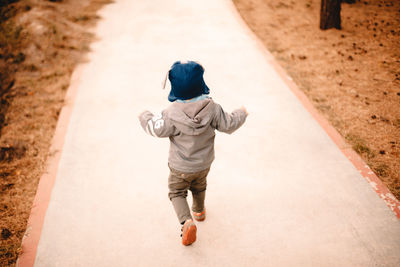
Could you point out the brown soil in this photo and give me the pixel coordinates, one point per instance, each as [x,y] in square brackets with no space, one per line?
[352,76]
[40,44]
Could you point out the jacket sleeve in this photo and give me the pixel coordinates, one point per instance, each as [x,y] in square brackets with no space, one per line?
[157,125]
[228,123]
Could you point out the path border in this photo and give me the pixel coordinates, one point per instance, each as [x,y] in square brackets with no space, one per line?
[379,187]
[31,238]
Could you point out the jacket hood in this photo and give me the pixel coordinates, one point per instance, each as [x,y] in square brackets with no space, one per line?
[192,118]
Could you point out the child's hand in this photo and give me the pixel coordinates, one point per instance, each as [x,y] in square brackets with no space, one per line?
[244,109]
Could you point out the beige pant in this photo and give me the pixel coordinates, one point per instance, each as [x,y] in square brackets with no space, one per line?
[179,183]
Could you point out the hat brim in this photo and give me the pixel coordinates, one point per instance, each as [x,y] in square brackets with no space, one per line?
[172,97]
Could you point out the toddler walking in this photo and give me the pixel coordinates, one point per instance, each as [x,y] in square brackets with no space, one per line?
[190,123]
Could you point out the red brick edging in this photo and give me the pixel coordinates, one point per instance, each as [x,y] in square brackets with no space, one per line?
[354,158]
[380,188]
[31,237]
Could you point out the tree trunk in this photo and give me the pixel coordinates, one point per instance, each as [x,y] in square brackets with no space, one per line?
[330,14]
[349,1]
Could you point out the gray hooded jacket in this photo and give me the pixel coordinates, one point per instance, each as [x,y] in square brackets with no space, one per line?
[191,130]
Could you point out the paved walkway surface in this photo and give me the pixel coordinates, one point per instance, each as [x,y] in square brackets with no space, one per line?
[281,193]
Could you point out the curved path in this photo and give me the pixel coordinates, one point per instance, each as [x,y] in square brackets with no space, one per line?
[281,192]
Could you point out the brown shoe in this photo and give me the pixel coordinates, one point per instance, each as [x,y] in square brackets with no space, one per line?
[189,230]
[200,216]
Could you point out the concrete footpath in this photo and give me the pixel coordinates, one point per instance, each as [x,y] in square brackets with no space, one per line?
[280,192]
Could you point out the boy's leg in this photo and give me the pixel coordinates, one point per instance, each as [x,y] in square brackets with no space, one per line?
[178,187]
[198,188]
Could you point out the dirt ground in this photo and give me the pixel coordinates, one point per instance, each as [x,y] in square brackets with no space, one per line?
[40,44]
[352,75]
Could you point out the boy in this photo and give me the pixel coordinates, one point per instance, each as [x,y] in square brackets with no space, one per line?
[190,124]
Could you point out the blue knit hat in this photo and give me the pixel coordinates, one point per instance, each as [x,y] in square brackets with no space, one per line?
[186,81]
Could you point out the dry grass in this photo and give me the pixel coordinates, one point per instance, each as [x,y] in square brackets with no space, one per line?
[40,42]
[352,76]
